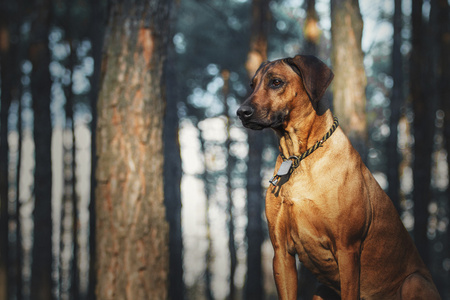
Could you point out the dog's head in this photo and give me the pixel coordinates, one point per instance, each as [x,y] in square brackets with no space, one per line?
[284,87]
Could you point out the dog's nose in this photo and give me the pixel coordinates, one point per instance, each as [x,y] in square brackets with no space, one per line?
[245,112]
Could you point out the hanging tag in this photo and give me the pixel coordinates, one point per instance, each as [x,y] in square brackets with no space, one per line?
[284,168]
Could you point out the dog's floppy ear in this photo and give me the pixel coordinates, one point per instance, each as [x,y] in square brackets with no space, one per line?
[315,74]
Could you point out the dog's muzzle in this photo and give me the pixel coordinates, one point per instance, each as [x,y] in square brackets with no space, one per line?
[257,120]
[245,112]
[247,115]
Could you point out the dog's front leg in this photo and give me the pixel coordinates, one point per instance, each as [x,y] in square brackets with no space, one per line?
[285,273]
[349,273]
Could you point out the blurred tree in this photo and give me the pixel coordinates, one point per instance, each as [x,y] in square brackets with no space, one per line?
[172,178]
[18,268]
[39,55]
[255,236]
[69,275]
[132,233]
[208,252]
[349,83]
[311,29]
[423,127]
[97,21]
[220,26]
[6,68]
[393,156]
[18,48]
[205,42]
[230,207]
[260,25]
[444,87]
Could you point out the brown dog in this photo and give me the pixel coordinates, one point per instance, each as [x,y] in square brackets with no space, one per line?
[327,208]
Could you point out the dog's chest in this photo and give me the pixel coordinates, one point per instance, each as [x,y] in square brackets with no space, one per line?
[308,236]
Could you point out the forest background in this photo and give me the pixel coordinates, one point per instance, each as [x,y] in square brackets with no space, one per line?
[145,94]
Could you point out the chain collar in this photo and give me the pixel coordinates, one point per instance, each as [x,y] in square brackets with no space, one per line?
[291,163]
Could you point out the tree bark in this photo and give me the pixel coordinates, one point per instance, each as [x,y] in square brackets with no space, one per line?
[41,273]
[350,79]
[393,156]
[132,231]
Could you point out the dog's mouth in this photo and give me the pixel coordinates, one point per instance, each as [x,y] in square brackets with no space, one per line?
[253,125]
[275,122]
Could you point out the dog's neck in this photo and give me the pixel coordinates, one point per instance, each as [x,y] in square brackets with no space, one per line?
[295,139]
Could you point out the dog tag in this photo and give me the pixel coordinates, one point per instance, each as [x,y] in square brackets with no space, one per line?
[284,168]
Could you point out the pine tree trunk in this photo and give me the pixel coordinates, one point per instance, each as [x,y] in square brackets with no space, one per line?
[208,253]
[255,235]
[423,94]
[393,155]
[444,87]
[230,207]
[172,186]
[311,29]
[70,198]
[6,98]
[421,190]
[96,37]
[17,52]
[41,273]
[350,79]
[71,152]
[19,248]
[258,39]
[70,193]
[132,232]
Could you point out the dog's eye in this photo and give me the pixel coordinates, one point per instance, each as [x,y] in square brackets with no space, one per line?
[275,83]
[252,86]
